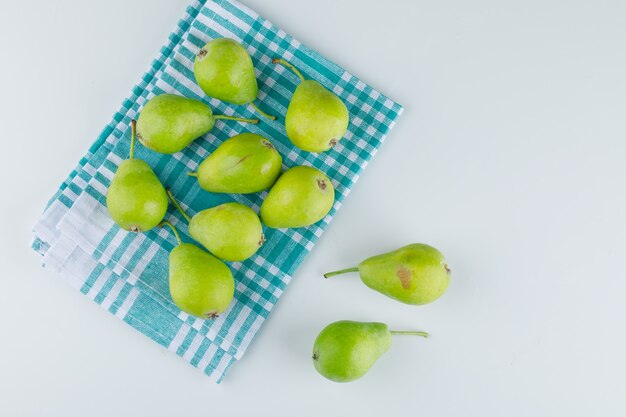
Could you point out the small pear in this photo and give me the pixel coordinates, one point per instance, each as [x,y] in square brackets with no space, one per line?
[224,70]
[316,118]
[302,196]
[414,274]
[136,199]
[169,123]
[230,231]
[200,284]
[346,350]
[246,163]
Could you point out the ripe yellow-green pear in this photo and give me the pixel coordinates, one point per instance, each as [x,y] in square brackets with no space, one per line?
[316,118]
[224,70]
[302,196]
[246,163]
[414,274]
[200,284]
[136,199]
[169,123]
[230,231]
[345,350]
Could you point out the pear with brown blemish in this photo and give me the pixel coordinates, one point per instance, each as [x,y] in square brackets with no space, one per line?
[414,274]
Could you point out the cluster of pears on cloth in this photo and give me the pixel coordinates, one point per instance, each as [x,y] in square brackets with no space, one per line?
[200,283]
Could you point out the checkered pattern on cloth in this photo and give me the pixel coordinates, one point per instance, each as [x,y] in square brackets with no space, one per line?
[126,273]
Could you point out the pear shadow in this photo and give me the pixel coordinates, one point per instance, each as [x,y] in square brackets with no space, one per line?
[298,339]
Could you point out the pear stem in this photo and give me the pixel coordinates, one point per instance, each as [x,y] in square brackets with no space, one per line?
[193,174]
[290,66]
[261,112]
[409,333]
[341,271]
[239,119]
[171,226]
[133,135]
[178,207]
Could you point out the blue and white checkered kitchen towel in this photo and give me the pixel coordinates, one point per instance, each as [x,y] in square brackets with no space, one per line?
[126,273]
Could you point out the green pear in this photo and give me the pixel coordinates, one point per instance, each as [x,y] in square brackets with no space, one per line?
[169,123]
[316,118]
[136,199]
[200,284]
[246,163]
[224,70]
[302,196]
[414,274]
[230,231]
[346,350]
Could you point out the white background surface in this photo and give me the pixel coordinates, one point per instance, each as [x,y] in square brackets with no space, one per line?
[510,157]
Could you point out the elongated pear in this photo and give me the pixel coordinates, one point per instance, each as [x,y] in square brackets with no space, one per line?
[200,284]
[230,231]
[316,118]
[345,350]
[136,199]
[414,274]
[224,70]
[246,163]
[302,196]
[169,123]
